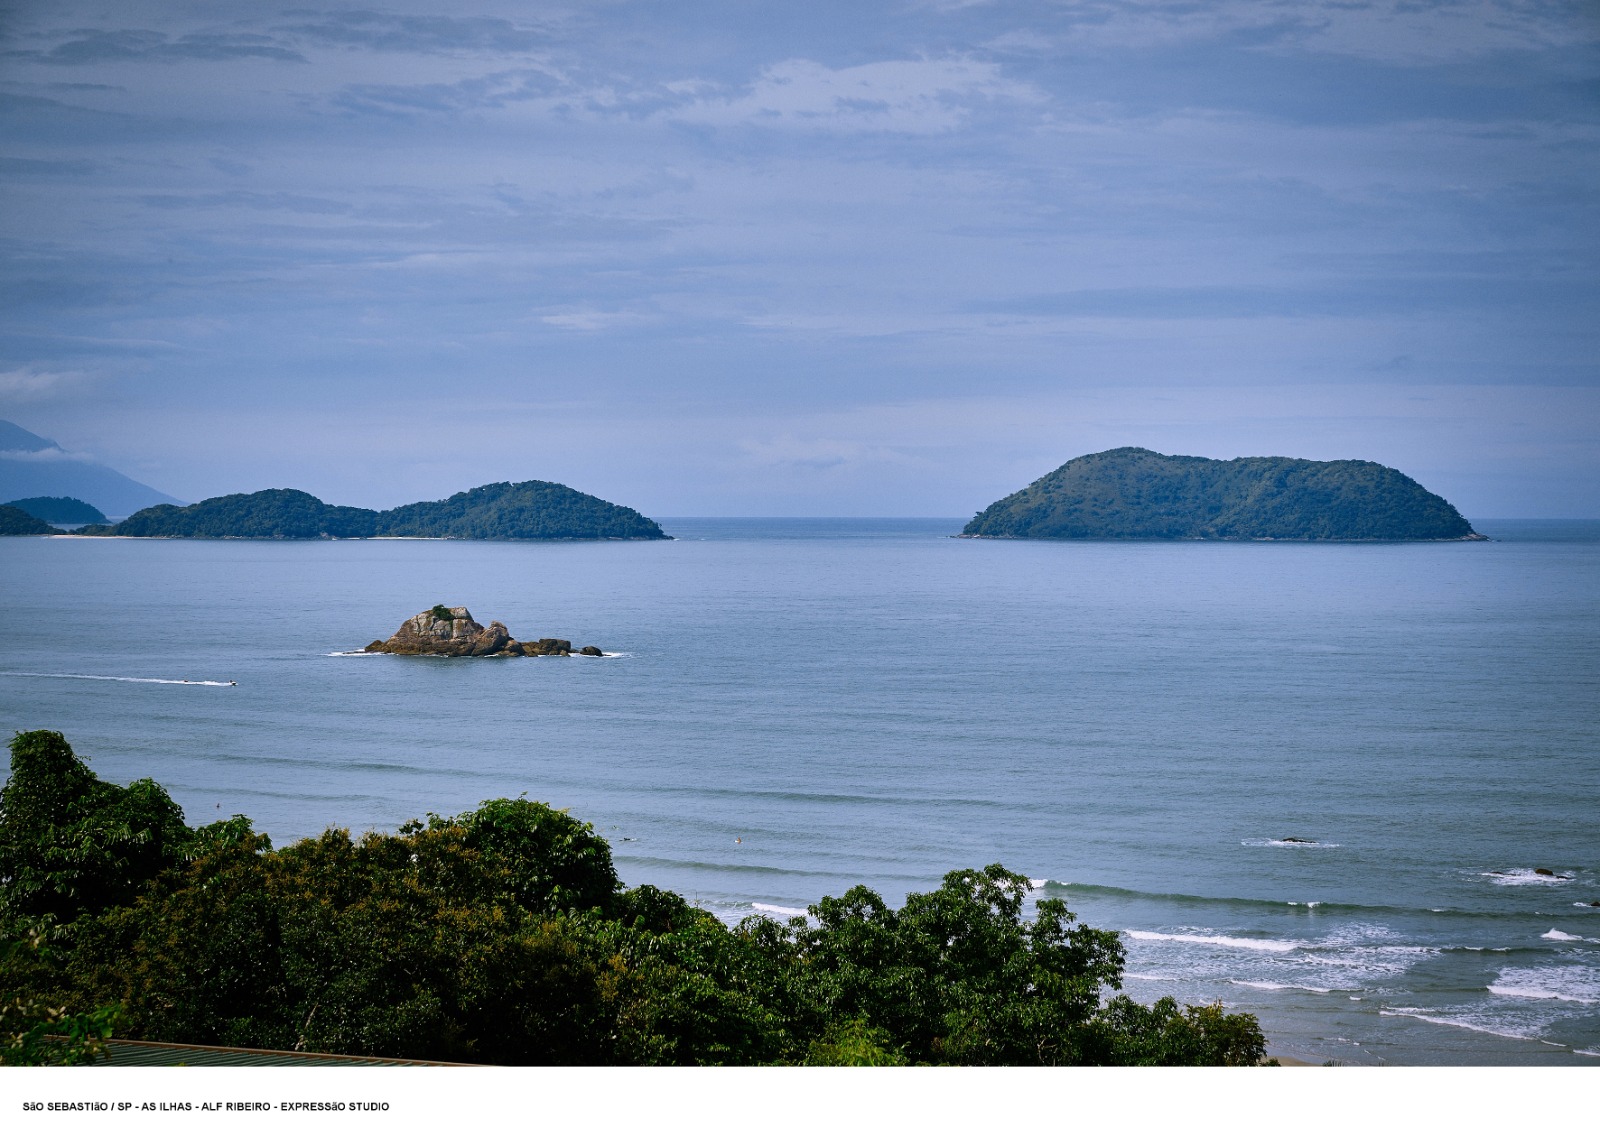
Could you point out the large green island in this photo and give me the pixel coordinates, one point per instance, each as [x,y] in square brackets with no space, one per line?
[1136,493]
[505,511]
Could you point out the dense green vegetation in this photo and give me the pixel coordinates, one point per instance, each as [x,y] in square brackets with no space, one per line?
[1134,493]
[68,509]
[530,510]
[502,935]
[280,513]
[16,522]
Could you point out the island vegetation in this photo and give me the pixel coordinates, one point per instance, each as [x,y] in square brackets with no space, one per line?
[1137,493]
[530,510]
[64,509]
[270,513]
[503,935]
[15,522]
[505,511]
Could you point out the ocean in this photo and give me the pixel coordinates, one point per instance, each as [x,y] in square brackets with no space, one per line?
[1317,782]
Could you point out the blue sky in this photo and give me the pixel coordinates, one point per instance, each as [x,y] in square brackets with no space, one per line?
[802,258]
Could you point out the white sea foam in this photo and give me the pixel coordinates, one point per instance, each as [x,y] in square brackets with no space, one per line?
[1037,884]
[1532,993]
[774,909]
[1456,1021]
[123,679]
[1524,877]
[1564,937]
[1567,983]
[1263,985]
[363,653]
[1311,844]
[1367,963]
[1275,945]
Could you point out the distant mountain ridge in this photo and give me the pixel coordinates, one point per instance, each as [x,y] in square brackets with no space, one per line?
[1138,493]
[14,437]
[528,511]
[31,466]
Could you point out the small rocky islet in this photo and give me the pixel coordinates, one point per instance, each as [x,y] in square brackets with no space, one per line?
[446,631]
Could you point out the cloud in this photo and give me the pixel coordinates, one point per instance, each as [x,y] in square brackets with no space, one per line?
[1405,32]
[22,167]
[250,200]
[386,32]
[495,90]
[816,453]
[56,454]
[100,46]
[30,384]
[589,321]
[659,208]
[908,96]
[921,96]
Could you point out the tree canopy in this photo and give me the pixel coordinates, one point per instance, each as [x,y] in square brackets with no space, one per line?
[68,509]
[530,510]
[1135,493]
[16,522]
[502,935]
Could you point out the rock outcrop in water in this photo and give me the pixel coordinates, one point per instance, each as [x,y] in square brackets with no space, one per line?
[451,632]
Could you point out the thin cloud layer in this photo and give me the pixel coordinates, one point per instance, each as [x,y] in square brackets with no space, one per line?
[787,233]
[912,96]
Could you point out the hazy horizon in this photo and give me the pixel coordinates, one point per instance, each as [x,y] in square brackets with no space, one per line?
[895,259]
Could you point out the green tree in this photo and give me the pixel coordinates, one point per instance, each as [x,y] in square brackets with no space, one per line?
[33,1033]
[955,976]
[1166,1034]
[71,844]
[502,935]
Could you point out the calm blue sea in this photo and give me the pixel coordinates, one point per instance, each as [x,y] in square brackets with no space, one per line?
[797,706]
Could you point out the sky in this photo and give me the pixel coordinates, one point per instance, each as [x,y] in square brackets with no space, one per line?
[809,258]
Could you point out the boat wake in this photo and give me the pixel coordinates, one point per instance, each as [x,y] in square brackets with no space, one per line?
[124,679]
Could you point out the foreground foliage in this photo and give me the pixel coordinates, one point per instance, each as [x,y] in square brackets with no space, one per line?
[36,1034]
[503,935]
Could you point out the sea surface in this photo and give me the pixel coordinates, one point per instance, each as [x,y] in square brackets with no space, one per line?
[798,706]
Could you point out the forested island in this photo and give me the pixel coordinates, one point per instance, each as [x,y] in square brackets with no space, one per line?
[505,511]
[68,509]
[503,935]
[15,522]
[1137,493]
